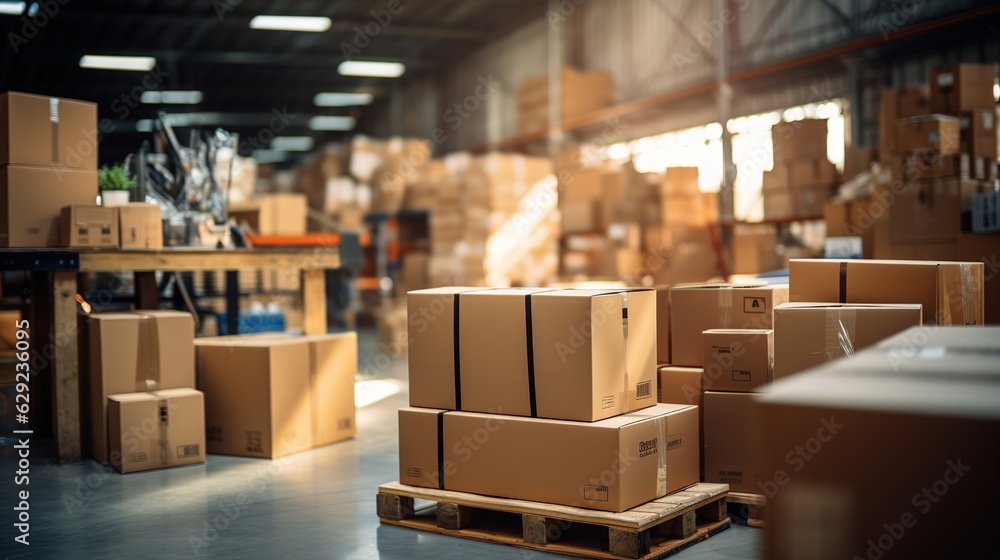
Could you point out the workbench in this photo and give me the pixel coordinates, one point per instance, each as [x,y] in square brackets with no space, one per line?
[56,304]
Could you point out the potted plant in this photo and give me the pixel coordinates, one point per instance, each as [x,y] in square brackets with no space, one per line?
[115,183]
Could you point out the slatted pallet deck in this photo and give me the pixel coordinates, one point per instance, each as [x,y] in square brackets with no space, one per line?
[752,506]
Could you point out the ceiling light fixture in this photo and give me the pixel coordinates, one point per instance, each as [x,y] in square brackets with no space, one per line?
[371,69]
[12,8]
[135,63]
[292,143]
[332,123]
[342,99]
[291,23]
[271,156]
[172,97]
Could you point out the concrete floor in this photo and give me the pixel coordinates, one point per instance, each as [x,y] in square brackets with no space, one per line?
[317,504]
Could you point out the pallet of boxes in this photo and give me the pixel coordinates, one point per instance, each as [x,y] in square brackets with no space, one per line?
[533,423]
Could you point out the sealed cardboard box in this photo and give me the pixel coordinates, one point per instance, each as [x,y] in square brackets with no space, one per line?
[950,293]
[88,225]
[48,132]
[563,354]
[933,166]
[731,431]
[152,430]
[611,465]
[940,133]
[962,87]
[700,307]
[929,396]
[738,359]
[32,198]
[273,214]
[979,133]
[929,211]
[257,397]
[682,385]
[809,334]
[133,352]
[805,139]
[140,226]
[663,325]
[333,365]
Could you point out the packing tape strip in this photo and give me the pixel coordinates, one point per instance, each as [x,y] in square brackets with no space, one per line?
[624,407]
[661,456]
[970,296]
[440,448]
[163,413]
[456,339]
[54,120]
[147,369]
[843,282]
[530,347]
[726,307]
[840,332]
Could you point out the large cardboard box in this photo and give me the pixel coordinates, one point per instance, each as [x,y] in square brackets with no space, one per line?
[257,398]
[738,359]
[563,354]
[156,429]
[134,352]
[333,366]
[140,225]
[898,103]
[89,225]
[32,198]
[929,211]
[731,432]
[962,87]
[921,408]
[699,307]
[48,132]
[979,133]
[273,214]
[951,293]
[611,465]
[809,334]
[805,139]
[939,133]
[682,385]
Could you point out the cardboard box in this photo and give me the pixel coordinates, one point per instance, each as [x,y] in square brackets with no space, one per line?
[738,359]
[731,432]
[48,132]
[898,103]
[257,397]
[951,293]
[962,87]
[779,205]
[140,226]
[134,352]
[856,160]
[9,320]
[156,429]
[611,465]
[700,307]
[809,201]
[979,133]
[88,225]
[755,249]
[682,385]
[809,334]
[934,166]
[579,216]
[273,214]
[929,211]
[663,324]
[32,198]
[580,185]
[805,139]
[812,172]
[333,366]
[777,179]
[563,354]
[981,247]
[939,133]
[923,433]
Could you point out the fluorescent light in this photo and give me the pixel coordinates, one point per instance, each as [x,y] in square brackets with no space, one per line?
[291,23]
[372,69]
[331,123]
[144,125]
[11,8]
[336,99]
[270,156]
[172,97]
[292,143]
[138,63]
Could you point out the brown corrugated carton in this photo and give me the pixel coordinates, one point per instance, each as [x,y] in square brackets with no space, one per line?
[898,103]
[929,211]
[133,352]
[809,334]
[682,385]
[805,139]
[663,324]
[962,87]
[333,366]
[156,429]
[812,172]
[273,214]
[579,216]
[89,225]
[699,307]
[31,199]
[140,226]
[48,132]
[865,455]
[979,133]
[580,185]
[778,205]
[611,465]
[731,432]
[738,359]
[951,293]
[939,133]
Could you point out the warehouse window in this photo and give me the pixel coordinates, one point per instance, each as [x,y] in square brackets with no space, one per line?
[700,146]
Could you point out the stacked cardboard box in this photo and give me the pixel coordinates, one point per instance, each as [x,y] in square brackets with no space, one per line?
[532,393]
[48,160]
[802,178]
[579,92]
[135,225]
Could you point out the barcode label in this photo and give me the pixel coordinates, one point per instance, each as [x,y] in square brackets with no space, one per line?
[643,389]
[184,451]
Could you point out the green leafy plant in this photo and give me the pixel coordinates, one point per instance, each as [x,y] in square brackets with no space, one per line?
[115,178]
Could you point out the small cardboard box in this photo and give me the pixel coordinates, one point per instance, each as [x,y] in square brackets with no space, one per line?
[738,359]
[951,293]
[141,225]
[682,385]
[940,133]
[962,87]
[89,225]
[156,429]
[809,334]
[48,132]
[32,198]
[257,398]
[732,429]
[133,352]
[611,465]
[699,307]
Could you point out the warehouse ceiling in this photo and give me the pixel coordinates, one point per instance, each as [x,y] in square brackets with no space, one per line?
[247,75]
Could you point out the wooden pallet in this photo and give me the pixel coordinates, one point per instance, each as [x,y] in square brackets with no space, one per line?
[754,507]
[655,529]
